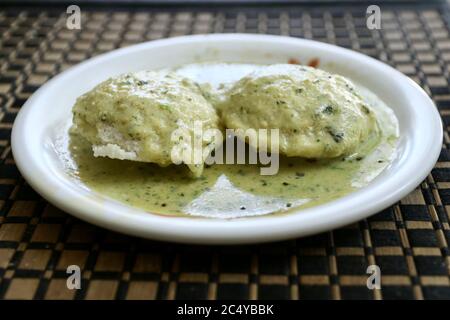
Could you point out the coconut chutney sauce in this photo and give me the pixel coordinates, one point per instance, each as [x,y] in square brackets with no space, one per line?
[230,191]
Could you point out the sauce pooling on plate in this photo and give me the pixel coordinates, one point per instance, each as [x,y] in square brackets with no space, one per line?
[233,190]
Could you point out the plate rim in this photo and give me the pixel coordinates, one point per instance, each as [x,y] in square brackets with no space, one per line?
[220,231]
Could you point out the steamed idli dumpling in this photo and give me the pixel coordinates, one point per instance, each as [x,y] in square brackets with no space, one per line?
[318,114]
[134,116]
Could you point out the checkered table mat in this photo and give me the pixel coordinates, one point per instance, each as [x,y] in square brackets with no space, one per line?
[409,241]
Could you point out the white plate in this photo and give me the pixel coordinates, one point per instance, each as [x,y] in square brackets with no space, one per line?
[33,136]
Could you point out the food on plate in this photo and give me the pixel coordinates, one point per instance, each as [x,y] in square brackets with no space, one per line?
[319,114]
[335,137]
[133,116]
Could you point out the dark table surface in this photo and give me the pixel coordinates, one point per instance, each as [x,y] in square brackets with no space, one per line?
[408,241]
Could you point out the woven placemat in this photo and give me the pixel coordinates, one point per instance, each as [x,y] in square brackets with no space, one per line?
[409,241]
